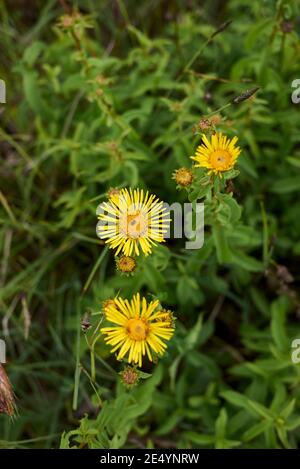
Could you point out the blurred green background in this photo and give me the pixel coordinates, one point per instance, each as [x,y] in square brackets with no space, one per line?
[108,97]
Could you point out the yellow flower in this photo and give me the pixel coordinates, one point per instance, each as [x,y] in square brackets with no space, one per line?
[133,220]
[140,330]
[217,155]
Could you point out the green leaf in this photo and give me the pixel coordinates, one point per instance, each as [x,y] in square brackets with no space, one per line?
[294,161]
[199,439]
[278,311]
[224,253]
[256,430]
[169,424]
[32,92]
[286,185]
[246,262]
[221,422]
[286,412]
[260,301]
[199,192]
[231,174]
[254,408]
[260,410]
[32,52]
[235,398]
[192,337]
[232,205]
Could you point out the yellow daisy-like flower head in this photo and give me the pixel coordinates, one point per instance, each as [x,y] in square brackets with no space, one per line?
[140,329]
[217,155]
[132,220]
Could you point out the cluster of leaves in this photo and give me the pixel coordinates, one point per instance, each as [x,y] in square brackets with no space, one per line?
[99,99]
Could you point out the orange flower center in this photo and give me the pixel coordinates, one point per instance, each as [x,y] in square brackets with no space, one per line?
[137,329]
[220,159]
[134,225]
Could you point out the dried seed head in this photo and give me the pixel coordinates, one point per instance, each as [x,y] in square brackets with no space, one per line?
[286,26]
[126,264]
[183,177]
[204,124]
[229,186]
[85,322]
[7,402]
[284,274]
[129,376]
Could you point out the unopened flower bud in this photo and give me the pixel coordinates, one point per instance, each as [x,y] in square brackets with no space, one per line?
[183,177]
[68,20]
[126,264]
[129,376]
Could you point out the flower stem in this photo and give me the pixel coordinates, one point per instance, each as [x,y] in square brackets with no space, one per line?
[218,110]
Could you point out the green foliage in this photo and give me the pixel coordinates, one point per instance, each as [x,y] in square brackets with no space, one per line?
[111,101]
